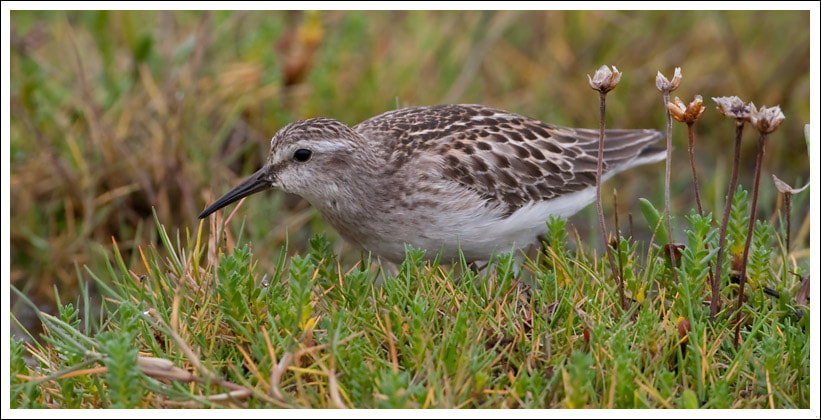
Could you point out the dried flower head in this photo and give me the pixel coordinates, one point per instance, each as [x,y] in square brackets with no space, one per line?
[687,114]
[766,120]
[785,188]
[604,80]
[733,107]
[667,86]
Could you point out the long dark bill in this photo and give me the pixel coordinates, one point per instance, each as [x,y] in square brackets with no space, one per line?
[253,184]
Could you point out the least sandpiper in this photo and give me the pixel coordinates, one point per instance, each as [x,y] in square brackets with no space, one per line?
[443,177]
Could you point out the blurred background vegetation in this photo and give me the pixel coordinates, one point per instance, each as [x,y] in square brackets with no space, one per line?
[114,113]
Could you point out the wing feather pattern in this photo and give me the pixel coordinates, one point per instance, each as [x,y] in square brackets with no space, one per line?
[505,157]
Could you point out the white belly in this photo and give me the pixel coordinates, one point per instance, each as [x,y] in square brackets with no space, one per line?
[477,230]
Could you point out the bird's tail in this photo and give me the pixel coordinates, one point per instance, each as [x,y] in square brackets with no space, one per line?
[623,149]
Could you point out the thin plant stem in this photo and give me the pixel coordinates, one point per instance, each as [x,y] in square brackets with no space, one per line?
[666,97]
[599,209]
[715,300]
[618,234]
[743,280]
[690,143]
[787,199]
[690,139]
[785,258]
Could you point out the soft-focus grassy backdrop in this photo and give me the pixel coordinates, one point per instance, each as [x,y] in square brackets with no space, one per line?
[113,113]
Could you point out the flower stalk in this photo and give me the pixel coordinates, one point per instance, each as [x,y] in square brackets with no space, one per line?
[765,120]
[735,108]
[603,81]
[666,86]
[689,115]
[690,142]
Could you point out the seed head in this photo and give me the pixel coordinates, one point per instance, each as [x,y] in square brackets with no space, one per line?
[667,86]
[604,80]
[686,114]
[785,188]
[766,120]
[733,107]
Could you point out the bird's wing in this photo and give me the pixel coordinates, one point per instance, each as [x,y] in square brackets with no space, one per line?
[503,156]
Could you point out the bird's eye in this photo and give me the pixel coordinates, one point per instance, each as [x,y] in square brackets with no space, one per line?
[302,155]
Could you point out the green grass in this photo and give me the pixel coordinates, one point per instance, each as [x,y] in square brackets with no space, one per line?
[125,124]
[315,333]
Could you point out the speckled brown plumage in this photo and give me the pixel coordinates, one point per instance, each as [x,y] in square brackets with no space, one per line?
[501,155]
[444,178]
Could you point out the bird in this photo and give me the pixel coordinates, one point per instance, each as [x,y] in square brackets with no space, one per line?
[444,179]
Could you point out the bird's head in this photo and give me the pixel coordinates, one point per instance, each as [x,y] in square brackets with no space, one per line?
[314,158]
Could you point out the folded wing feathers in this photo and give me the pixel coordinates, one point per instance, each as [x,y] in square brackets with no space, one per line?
[505,157]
